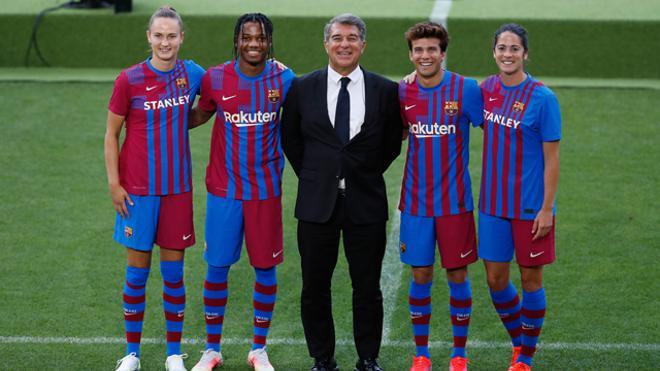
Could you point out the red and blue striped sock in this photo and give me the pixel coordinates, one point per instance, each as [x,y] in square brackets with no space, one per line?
[419,303]
[532,316]
[174,303]
[460,308]
[507,305]
[134,304]
[263,300]
[215,299]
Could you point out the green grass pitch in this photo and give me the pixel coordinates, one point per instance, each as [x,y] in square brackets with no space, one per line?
[61,272]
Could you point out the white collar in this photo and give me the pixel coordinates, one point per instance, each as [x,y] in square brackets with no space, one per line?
[355,76]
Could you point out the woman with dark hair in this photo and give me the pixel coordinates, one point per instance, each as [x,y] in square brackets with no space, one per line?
[150,180]
[522,129]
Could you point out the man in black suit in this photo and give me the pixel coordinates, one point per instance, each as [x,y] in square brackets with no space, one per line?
[341,129]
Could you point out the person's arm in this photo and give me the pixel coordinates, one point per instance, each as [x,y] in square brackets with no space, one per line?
[292,137]
[111,150]
[198,117]
[543,220]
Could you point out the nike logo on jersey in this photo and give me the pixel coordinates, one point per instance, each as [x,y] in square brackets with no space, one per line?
[228,98]
[150,88]
[534,255]
[186,237]
[491,99]
[276,254]
[410,107]
[466,254]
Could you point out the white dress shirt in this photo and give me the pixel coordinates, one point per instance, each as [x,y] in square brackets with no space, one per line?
[356,93]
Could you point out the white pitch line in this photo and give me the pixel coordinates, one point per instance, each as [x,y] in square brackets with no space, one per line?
[390,278]
[476,344]
[440,11]
[439,14]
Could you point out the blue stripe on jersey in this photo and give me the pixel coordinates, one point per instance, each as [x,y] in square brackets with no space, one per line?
[175,131]
[186,153]
[489,166]
[151,156]
[437,154]
[453,154]
[407,193]
[512,97]
[274,173]
[164,165]
[229,148]
[258,89]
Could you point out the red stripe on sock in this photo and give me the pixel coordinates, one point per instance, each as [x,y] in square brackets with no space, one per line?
[421,320]
[459,341]
[533,313]
[214,320]
[456,303]
[263,306]
[260,324]
[514,333]
[215,286]
[173,285]
[507,304]
[535,332]
[134,287]
[133,337]
[133,299]
[173,337]
[134,317]
[464,321]
[419,301]
[174,317]
[527,351]
[213,338]
[511,317]
[421,340]
[259,340]
[174,299]
[266,290]
[215,302]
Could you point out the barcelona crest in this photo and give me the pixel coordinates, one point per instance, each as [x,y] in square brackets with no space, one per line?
[518,106]
[402,246]
[451,107]
[181,83]
[273,95]
[128,232]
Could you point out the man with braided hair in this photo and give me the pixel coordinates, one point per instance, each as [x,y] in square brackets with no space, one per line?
[243,180]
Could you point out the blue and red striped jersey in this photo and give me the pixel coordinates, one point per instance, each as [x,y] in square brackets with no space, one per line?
[246,160]
[155,155]
[436,180]
[517,120]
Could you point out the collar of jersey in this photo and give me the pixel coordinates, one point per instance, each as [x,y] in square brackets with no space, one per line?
[243,76]
[445,79]
[528,76]
[151,67]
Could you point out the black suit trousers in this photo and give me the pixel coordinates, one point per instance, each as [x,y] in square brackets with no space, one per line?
[364,247]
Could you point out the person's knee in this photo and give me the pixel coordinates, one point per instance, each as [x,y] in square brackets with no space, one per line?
[531,278]
[422,275]
[497,280]
[458,275]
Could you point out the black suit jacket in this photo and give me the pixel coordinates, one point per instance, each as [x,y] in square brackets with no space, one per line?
[319,158]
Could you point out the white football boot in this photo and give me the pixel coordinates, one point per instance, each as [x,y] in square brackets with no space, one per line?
[210,360]
[129,363]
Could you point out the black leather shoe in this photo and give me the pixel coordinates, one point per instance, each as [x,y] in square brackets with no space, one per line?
[367,364]
[325,365]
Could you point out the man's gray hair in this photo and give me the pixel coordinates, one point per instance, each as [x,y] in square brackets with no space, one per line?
[349,19]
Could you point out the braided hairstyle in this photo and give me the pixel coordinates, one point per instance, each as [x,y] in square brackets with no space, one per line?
[266,28]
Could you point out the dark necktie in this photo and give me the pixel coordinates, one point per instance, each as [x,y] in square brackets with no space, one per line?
[343,112]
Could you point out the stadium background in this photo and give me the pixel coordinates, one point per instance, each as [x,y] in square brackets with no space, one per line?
[61,274]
